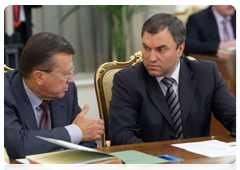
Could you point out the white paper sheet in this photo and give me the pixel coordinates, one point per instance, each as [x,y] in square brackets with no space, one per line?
[23,160]
[211,148]
[69,145]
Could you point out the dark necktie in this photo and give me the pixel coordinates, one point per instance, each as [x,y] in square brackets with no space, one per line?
[225,31]
[46,118]
[174,106]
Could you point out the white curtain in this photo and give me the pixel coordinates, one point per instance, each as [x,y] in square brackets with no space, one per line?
[86,28]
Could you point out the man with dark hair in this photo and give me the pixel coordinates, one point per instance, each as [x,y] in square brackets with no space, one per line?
[40,99]
[211,29]
[167,96]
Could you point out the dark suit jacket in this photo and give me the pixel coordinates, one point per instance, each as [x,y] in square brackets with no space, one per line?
[202,33]
[20,127]
[139,112]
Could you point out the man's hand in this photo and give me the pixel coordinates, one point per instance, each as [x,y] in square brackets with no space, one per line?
[227,44]
[91,128]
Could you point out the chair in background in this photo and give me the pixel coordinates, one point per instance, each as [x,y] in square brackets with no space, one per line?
[7,69]
[183,16]
[103,81]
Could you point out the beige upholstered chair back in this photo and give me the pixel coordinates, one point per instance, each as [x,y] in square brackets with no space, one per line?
[183,16]
[103,81]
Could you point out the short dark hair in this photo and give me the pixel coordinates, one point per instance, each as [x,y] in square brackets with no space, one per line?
[39,52]
[161,21]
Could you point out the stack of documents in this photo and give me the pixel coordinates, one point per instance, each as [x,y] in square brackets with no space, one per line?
[82,155]
[211,148]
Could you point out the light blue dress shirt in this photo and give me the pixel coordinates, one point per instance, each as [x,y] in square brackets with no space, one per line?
[74,131]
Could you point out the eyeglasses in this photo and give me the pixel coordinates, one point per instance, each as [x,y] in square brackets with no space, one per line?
[67,77]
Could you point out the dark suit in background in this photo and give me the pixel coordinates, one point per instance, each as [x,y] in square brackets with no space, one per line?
[25,28]
[20,127]
[139,111]
[202,33]
[14,44]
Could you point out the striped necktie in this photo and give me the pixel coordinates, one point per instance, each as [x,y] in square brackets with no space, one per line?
[174,106]
[46,118]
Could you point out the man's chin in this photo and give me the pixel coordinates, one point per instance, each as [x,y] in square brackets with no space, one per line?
[62,95]
[154,73]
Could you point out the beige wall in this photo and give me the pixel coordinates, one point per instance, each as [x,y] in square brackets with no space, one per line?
[87,95]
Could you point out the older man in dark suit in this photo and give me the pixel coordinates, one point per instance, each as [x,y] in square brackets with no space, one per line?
[167,96]
[211,29]
[40,98]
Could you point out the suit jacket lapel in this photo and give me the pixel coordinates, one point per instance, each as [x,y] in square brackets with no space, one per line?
[187,88]
[22,99]
[59,116]
[156,95]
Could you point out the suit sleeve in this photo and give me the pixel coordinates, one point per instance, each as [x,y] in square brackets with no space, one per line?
[197,38]
[20,141]
[123,114]
[224,103]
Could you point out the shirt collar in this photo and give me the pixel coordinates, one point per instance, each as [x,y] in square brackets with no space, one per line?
[219,18]
[175,74]
[35,100]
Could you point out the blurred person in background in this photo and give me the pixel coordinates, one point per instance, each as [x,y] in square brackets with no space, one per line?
[23,21]
[211,29]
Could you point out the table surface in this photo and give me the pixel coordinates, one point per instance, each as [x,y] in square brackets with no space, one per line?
[164,147]
[192,160]
[211,57]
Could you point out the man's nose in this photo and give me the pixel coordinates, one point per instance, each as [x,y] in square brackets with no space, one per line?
[71,80]
[152,56]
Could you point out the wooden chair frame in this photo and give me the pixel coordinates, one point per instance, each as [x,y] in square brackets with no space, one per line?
[103,104]
[7,69]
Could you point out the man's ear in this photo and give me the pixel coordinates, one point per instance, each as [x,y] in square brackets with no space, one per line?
[38,77]
[180,49]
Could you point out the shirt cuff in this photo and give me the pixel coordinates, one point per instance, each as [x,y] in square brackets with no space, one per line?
[75,133]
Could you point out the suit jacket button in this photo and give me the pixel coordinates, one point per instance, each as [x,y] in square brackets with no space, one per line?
[171,137]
